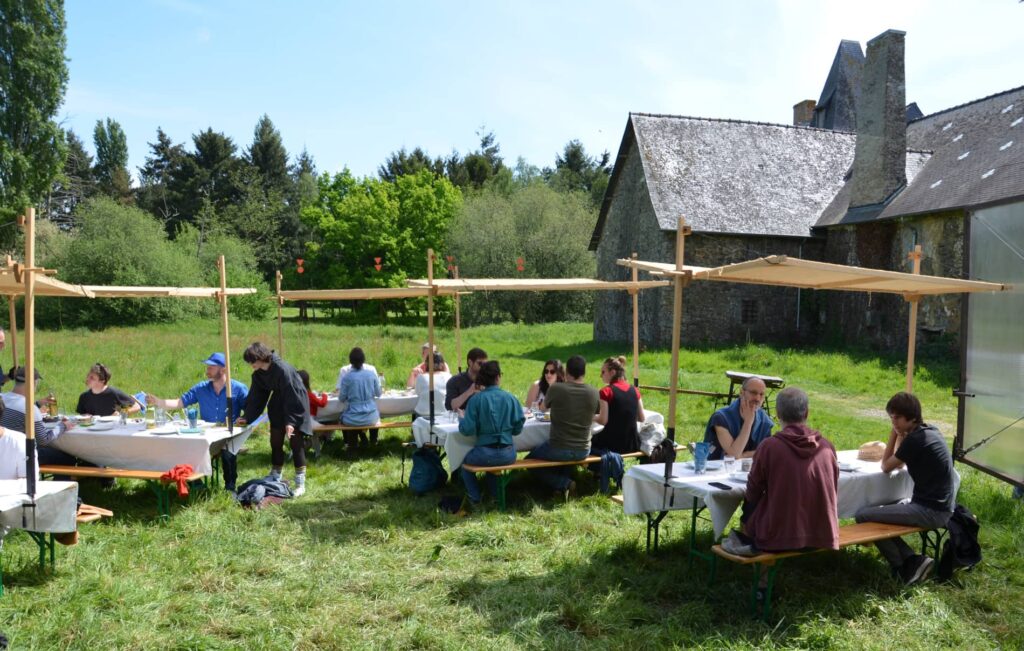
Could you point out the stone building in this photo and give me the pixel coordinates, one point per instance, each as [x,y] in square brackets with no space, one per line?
[818,192]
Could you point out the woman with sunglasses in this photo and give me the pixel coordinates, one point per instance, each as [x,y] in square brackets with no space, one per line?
[553,372]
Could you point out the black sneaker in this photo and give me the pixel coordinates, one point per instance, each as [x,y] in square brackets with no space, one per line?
[916,569]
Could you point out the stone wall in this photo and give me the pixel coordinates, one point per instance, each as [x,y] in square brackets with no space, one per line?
[881,320]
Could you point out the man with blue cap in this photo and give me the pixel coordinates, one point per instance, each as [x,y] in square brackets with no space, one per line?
[212,400]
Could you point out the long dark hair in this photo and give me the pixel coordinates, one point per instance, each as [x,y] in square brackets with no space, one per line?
[357,358]
[559,373]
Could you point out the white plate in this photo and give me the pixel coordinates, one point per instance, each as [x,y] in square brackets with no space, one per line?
[846,465]
[101,426]
[739,476]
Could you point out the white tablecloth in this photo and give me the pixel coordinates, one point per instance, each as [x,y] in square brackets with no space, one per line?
[643,489]
[392,403]
[457,446]
[55,509]
[134,447]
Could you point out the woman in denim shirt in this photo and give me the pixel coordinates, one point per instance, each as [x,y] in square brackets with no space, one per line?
[493,416]
[359,388]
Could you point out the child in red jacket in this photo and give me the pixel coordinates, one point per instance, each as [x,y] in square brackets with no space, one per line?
[315,400]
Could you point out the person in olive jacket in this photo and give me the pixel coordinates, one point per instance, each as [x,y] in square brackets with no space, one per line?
[277,387]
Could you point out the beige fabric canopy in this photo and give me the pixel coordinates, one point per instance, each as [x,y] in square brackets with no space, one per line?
[12,283]
[113,291]
[784,271]
[452,285]
[369,293]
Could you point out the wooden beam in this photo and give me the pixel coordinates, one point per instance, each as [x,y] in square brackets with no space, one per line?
[915,256]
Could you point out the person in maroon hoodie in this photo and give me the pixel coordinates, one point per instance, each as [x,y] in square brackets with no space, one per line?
[790,501]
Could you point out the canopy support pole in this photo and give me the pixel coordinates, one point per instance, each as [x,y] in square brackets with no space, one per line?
[13,343]
[635,293]
[430,333]
[30,357]
[227,341]
[280,302]
[458,326]
[915,256]
[679,281]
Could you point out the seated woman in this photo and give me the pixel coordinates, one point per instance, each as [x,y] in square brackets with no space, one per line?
[621,409]
[493,416]
[359,388]
[441,378]
[102,399]
[421,368]
[316,400]
[553,372]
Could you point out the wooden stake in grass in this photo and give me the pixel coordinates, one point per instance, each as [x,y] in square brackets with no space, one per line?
[679,281]
[30,357]
[914,255]
[13,331]
[430,332]
[280,303]
[635,293]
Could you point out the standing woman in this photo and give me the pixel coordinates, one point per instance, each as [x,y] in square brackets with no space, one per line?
[102,399]
[277,387]
[621,409]
[553,372]
[359,388]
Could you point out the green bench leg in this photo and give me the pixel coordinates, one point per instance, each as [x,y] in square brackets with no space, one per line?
[503,479]
[163,499]
[216,470]
[769,586]
[44,544]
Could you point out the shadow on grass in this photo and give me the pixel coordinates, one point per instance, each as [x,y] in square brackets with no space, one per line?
[624,595]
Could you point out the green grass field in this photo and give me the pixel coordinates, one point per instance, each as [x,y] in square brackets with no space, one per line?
[359,562]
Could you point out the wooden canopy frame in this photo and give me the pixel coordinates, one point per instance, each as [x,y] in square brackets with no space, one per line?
[29,281]
[780,270]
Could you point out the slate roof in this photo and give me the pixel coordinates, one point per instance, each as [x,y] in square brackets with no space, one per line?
[836,108]
[729,176]
[976,158]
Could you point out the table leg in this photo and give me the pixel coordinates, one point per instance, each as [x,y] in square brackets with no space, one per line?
[654,524]
[163,499]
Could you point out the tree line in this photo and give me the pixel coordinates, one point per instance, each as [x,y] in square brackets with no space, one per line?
[267,208]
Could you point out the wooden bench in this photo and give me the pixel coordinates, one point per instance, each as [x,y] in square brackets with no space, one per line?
[162,488]
[862,533]
[532,464]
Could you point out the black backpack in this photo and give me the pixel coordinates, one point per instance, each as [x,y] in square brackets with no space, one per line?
[962,550]
[427,472]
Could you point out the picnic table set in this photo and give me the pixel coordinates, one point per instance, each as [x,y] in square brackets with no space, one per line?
[391,403]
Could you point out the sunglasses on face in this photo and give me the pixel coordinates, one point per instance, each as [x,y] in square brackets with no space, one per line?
[550,371]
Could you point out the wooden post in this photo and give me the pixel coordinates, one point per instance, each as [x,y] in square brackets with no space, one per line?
[636,325]
[458,326]
[682,230]
[13,331]
[227,340]
[30,356]
[915,256]
[430,333]
[280,329]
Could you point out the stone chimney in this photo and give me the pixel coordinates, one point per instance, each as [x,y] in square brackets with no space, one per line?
[880,158]
[803,113]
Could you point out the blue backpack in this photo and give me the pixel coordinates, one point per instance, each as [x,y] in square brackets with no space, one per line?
[427,472]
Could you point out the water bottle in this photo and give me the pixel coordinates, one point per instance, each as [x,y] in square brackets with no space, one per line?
[383,384]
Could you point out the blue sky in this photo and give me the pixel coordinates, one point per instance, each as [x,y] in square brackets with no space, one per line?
[354,81]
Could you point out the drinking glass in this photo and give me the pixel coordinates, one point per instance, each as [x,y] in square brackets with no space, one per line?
[729,463]
[193,417]
[701,451]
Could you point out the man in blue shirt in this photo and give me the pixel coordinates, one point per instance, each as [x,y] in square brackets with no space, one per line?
[738,429]
[212,400]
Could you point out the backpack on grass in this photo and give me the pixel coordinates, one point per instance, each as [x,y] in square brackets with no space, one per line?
[962,550]
[427,472]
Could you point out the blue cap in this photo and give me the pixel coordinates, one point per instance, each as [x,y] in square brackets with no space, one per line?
[216,359]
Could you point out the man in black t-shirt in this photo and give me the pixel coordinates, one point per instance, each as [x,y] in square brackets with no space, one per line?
[460,388]
[922,449]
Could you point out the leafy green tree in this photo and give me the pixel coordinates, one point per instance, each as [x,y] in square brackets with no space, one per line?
[402,163]
[155,194]
[33,78]
[74,185]
[305,187]
[576,171]
[268,155]
[241,270]
[549,230]
[111,169]
[209,172]
[262,219]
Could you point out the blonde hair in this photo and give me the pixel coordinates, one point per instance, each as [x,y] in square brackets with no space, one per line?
[617,365]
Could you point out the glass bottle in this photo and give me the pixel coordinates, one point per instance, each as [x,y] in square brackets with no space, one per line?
[51,407]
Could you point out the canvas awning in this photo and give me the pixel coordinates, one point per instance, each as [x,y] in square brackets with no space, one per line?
[369,293]
[12,283]
[113,291]
[780,270]
[452,285]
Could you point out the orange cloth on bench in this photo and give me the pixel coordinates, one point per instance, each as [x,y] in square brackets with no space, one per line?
[180,475]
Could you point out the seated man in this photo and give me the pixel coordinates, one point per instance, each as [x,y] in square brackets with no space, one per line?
[464,386]
[573,404]
[926,455]
[12,452]
[738,429]
[790,501]
[211,396]
[13,418]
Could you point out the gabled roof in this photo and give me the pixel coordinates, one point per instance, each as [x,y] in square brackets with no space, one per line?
[837,106]
[728,176]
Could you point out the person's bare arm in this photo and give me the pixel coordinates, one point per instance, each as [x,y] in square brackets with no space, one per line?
[890,461]
[532,394]
[169,403]
[640,415]
[602,415]
[460,401]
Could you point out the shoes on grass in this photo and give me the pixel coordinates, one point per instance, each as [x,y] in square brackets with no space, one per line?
[916,569]
[737,547]
[569,491]
[299,490]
